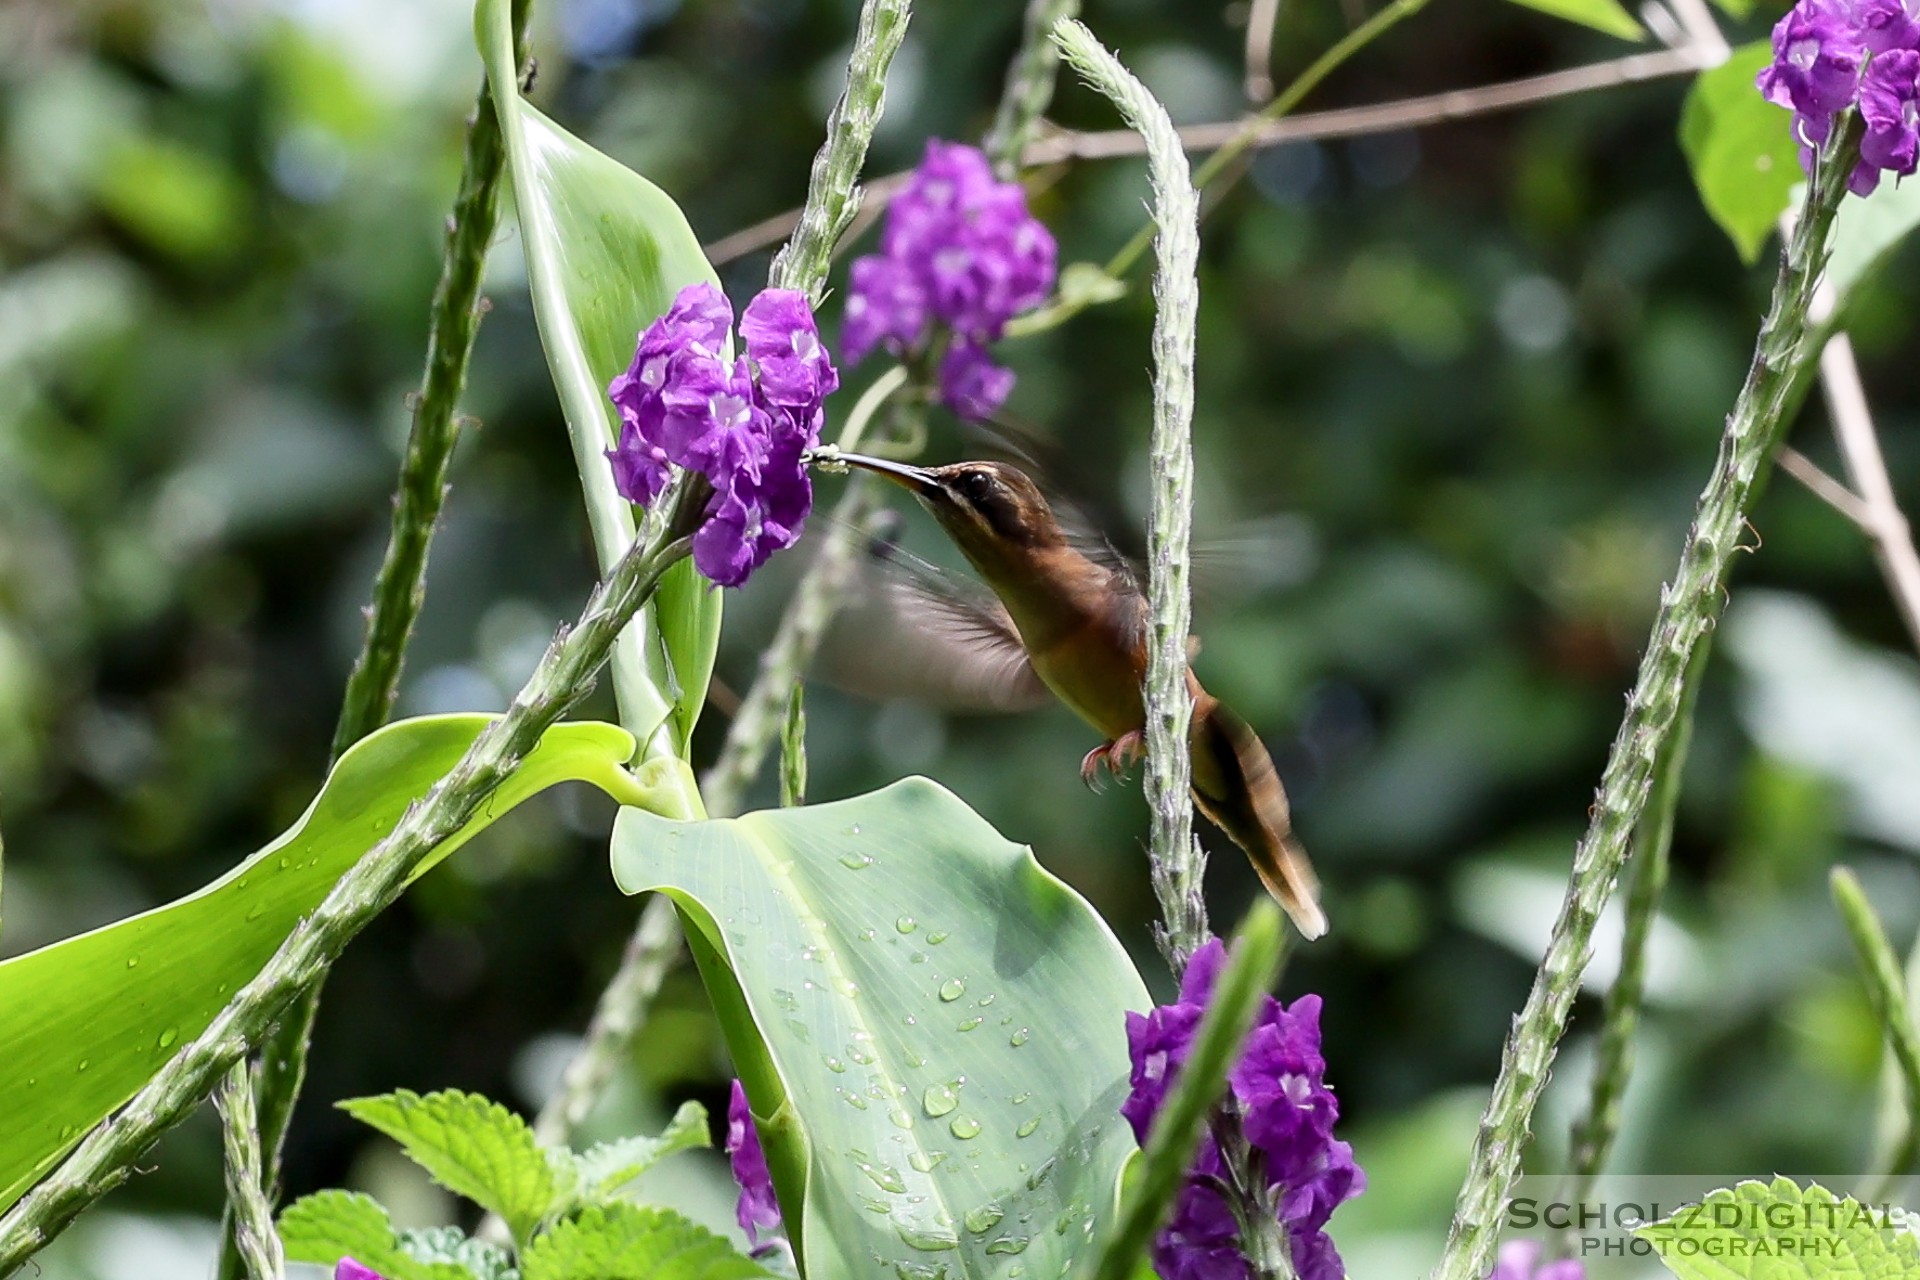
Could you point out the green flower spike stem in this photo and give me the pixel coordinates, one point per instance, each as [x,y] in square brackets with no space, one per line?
[1689,607]
[258,1243]
[106,1156]
[1177,863]
[1887,992]
[1030,80]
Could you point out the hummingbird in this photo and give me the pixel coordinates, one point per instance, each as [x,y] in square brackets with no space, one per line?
[1066,624]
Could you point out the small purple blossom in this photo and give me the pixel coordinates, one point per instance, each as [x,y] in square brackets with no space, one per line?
[960,252]
[745,426]
[1815,72]
[1278,1092]
[1890,107]
[348,1269]
[758,1209]
[1520,1260]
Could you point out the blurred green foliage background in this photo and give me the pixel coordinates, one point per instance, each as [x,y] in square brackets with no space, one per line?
[1457,391]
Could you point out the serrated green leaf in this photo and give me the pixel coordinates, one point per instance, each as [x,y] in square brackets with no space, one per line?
[1781,1231]
[1741,149]
[451,1245]
[931,1027]
[330,1225]
[628,1242]
[606,252]
[1601,15]
[602,1170]
[86,1021]
[474,1147]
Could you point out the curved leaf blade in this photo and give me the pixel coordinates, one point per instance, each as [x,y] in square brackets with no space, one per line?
[606,252]
[86,1021]
[946,1018]
[1602,15]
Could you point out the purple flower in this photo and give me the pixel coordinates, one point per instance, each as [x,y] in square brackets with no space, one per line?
[348,1269]
[1886,24]
[745,426]
[1890,106]
[1520,1260]
[1278,1093]
[758,1210]
[1815,72]
[960,252]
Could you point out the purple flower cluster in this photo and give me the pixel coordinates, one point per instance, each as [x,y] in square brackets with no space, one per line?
[960,251]
[1520,1260]
[744,425]
[758,1210]
[1279,1092]
[1829,55]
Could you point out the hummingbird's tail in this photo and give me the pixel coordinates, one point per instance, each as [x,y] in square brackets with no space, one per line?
[1236,786]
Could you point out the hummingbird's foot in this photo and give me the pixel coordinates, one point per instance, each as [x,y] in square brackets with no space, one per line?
[1119,755]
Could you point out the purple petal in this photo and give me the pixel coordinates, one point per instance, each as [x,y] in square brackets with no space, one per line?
[1890,107]
[784,344]
[971,384]
[758,1209]
[1202,972]
[348,1269]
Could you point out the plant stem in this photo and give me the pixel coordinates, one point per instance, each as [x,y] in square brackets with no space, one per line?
[258,1243]
[1594,1133]
[793,749]
[1030,80]
[1887,992]
[833,189]
[399,588]
[104,1158]
[1176,288]
[1689,608]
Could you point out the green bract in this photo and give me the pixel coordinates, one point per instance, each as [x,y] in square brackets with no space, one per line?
[606,252]
[87,1021]
[936,1024]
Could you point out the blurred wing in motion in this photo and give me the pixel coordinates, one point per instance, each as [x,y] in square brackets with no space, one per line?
[910,630]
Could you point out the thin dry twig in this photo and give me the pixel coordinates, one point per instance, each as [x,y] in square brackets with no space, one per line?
[1261,16]
[1824,487]
[1063,146]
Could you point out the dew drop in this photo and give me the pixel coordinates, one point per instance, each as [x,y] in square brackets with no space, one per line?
[930,1237]
[785,998]
[919,1271]
[906,924]
[860,1055]
[875,1205]
[856,861]
[845,986]
[952,989]
[1019,1037]
[169,1037]
[1008,1244]
[32,1081]
[964,1127]
[1021,1099]
[133,962]
[926,1161]
[259,909]
[969,1024]
[986,1000]
[66,1131]
[854,830]
[1027,1127]
[868,935]
[914,1060]
[853,1100]
[935,939]
[1040,1175]
[939,1099]
[883,1176]
[84,1064]
[833,1064]
[984,1218]
[902,1119]
[919,957]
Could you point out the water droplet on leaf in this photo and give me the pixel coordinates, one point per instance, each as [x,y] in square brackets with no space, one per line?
[964,1127]
[952,989]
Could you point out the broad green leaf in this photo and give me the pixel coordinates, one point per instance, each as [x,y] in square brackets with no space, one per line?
[475,1148]
[88,1020]
[627,1242]
[1741,149]
[931,1027]
[331,1225]
[606,252]
[602,1170]
[1602,15]
[1781,1231]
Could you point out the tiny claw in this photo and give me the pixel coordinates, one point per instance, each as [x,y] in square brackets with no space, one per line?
[1090,765]
[1125,751]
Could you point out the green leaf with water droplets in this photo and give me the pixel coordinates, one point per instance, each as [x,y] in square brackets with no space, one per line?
[475,1148]
[628,1242]
[1782,1231]
[606,252]
[931,1027]
[87,1021]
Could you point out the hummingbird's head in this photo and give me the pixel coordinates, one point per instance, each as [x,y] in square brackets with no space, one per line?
[991,510]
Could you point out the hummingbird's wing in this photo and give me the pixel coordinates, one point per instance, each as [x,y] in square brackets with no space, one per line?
[911,630]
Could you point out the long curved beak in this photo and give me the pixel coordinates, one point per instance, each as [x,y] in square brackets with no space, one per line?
[917,480]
